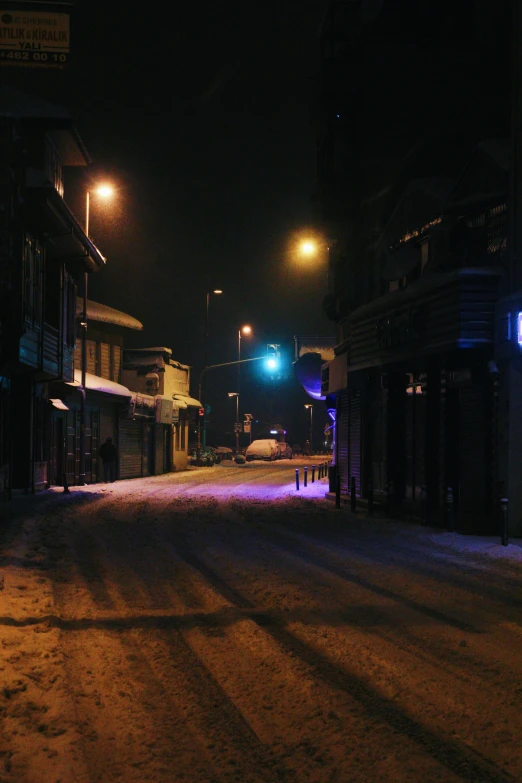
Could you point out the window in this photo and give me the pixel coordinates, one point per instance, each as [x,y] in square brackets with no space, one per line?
[425,255]
[69,319]
[53,167]
[32,275]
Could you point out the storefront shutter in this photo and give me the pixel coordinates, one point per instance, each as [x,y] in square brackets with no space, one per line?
[473,459]
[354,440]
[342,440]
[130,447]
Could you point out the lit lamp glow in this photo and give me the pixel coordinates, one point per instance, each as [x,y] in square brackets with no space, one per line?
[308,247]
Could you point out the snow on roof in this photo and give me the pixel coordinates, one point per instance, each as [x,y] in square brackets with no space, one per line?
[149,350]
[95,383]
[142,361]
[190,402]
[104,314]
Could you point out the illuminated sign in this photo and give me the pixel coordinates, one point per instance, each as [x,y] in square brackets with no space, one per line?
[519,329]
[34,38]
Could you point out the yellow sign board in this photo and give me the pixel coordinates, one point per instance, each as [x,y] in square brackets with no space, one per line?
[35,38]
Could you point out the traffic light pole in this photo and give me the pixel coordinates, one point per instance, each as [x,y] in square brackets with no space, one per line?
[202,373]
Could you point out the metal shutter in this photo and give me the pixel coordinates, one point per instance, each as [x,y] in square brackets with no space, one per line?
[159,448]
[130,442]
[105,360]
[91,356]
[354,440]
[473,461]
[342,440]
[116,363]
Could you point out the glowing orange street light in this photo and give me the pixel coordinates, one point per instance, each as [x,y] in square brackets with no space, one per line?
[308,247]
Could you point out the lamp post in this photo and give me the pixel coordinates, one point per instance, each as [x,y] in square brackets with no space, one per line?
[105,191]
[216,291]
[311,409]
[243,330]
[236,395]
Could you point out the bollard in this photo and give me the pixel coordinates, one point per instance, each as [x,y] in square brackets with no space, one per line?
[353,499]
[449,510]
[424,514]
[338,492]
[504,510]
[370,497]
[313,473]
[65,487]
[320,471]
[297,478]
[305,476]
[389,500]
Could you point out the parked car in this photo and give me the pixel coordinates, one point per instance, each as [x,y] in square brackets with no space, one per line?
[224,452]
[285,450]
[262,449]
[208,456]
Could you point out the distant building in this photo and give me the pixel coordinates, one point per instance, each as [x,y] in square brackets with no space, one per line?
[152,373]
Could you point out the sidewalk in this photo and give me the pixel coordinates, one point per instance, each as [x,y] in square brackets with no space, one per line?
[475,545]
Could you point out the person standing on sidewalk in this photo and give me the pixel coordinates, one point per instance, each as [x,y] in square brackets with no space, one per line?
[109,456]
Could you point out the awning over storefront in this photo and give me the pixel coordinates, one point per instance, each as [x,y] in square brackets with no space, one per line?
[97,384]
[184,401]
[56,403]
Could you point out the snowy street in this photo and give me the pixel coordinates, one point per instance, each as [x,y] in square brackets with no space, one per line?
[216,625]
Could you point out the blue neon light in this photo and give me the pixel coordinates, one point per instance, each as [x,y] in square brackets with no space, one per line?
[519,329]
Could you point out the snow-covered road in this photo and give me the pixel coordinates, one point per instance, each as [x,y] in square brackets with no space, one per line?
[217,625]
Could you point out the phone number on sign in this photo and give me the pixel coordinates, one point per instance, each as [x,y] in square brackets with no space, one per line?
[52,59]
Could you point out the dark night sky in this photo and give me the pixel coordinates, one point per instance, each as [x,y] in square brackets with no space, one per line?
[202,116]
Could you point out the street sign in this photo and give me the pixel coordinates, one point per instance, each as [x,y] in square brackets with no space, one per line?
[247,426]
[37,39]
[237,427]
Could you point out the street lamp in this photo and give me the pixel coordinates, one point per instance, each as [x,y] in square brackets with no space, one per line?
[243,330]
[311,409]
[105,191]
[216,291]
[236,395]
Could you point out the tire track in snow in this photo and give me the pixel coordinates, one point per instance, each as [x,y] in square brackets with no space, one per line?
[461,760]
[161,660]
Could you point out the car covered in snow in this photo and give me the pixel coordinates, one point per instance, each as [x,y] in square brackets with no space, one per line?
[284,450]
[265,448]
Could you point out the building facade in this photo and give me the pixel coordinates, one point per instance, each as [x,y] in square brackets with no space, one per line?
[414,209]
[44,252]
